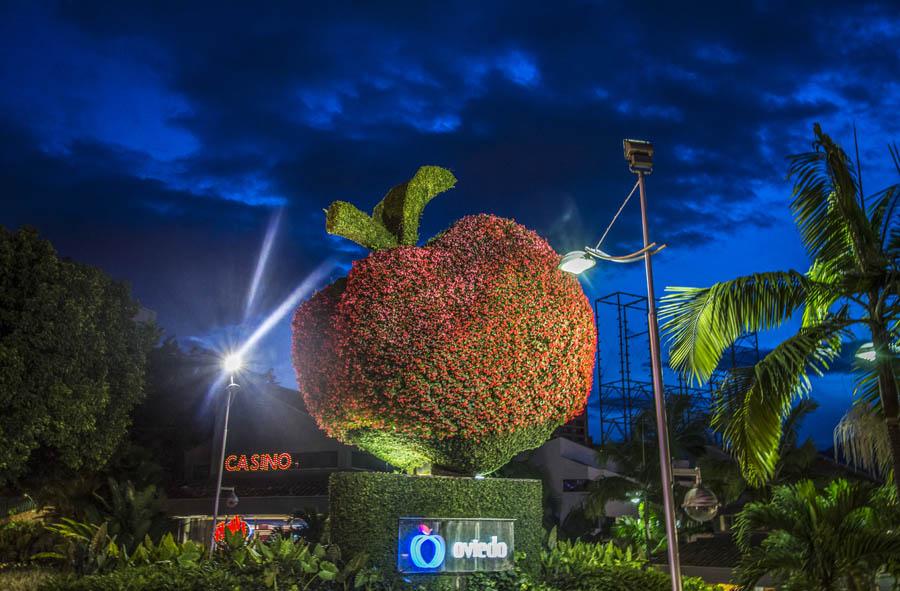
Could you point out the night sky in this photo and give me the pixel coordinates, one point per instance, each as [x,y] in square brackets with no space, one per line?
[160,140]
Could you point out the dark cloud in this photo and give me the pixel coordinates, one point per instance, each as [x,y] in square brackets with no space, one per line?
[156,139]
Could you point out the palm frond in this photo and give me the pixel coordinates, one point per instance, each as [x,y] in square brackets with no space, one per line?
[862,437]
[826,207]
[701,323]
[603,490]
[823,289]
[754,401]
[884,214]
[791,427]
[788,511]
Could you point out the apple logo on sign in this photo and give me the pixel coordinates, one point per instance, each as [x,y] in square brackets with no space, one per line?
[427,537]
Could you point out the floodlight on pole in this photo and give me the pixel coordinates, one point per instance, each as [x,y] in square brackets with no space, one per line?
[639,155]
[232,363]
[577,262]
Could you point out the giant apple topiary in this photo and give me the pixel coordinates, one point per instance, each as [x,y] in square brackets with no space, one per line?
[460,353]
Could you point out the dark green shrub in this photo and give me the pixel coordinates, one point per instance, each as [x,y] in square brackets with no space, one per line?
[613,578]
[21,540]
[366,506]
[271,565]
[582,566]
[86,548]
[158,577]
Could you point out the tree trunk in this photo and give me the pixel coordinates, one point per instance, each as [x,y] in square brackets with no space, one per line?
[887,389]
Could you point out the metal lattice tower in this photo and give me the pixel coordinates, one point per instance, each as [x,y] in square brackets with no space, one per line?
[627,391]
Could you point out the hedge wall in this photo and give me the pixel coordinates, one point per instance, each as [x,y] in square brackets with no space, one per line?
[365,508]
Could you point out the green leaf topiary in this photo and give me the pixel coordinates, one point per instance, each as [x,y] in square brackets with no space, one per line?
[395,220]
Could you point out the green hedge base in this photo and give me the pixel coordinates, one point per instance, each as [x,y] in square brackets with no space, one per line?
[365,508]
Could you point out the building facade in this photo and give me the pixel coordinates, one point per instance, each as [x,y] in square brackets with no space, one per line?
[276,468]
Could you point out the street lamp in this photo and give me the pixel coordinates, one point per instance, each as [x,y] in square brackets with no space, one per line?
[232,364]
[639,155]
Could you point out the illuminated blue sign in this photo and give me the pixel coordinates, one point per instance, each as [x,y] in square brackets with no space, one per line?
[433,545]
[427,539]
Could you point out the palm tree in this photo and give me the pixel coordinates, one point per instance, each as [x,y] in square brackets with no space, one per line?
[838,538]
[862,434]
[795,460]
[636,459]
[852,283]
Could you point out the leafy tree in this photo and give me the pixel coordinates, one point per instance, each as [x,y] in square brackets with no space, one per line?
[853,282]
[71,361]
[838,538]
[170,419]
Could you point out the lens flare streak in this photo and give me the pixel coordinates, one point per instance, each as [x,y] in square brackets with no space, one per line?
[263,259]
[306,287]
[303,290]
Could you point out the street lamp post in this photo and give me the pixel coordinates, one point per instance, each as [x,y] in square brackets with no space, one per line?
[639,155]
[231,364]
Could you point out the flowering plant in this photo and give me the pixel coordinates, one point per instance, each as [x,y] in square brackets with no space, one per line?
[234,525]
[461,353]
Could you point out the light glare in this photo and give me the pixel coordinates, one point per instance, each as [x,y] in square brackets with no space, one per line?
[576,262]
[232,362]
[303,290]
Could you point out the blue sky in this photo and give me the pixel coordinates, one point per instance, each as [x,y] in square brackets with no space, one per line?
[160,140]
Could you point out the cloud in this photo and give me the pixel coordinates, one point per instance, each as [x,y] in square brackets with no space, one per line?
[155,139]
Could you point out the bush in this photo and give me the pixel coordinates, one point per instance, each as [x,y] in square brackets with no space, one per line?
[582,566]
[95,562]
[21,540]
[461,353]
[365,507]
[159,577]
[613,578]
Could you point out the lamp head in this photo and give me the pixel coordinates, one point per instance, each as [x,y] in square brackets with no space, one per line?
[232,362]
[639,154]
[866,352]
[576,262]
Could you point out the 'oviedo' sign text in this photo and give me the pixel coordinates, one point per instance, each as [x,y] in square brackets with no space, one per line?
[434,545]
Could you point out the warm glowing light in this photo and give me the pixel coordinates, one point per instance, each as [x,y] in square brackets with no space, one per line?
[233,362]
[577,262]
[259,462]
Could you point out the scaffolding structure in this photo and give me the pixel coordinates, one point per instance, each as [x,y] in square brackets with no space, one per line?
[626,390]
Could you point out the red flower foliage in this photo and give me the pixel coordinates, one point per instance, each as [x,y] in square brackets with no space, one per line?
[235,525]
[476,334]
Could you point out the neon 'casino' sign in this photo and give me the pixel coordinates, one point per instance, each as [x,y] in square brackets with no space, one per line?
[432,545]
[259,462]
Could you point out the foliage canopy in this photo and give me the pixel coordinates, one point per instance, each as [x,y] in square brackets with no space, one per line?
[71,360]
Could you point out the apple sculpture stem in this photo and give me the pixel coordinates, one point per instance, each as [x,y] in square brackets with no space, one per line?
[450,357]
[395,220]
